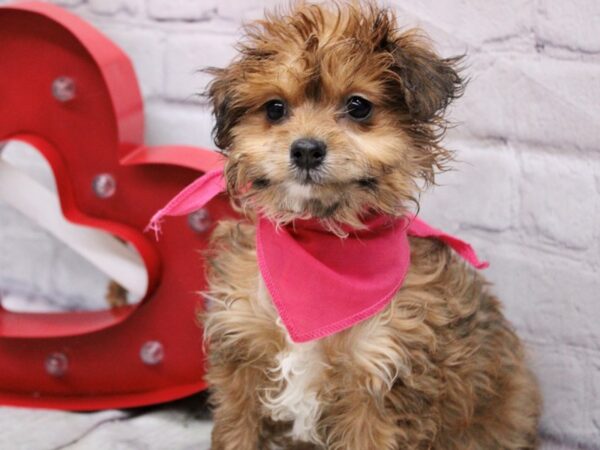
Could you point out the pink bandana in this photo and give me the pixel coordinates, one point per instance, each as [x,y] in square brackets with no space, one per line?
[321,283]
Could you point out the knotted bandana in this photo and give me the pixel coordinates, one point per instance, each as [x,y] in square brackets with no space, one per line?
[321,283]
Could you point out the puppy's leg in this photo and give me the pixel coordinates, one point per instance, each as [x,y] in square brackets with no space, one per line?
[236,411]
[358,420]
[241,335]
[363,364]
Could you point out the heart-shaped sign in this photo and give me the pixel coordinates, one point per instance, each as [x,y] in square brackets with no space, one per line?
[71,93]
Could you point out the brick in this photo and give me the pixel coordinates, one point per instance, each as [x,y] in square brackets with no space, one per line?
[503,273]
[576,82]
[168,124]
[466,24]
[527,99]
[557,201]
[549,298]
[247,10]
[146,49]
[551,443]
[593,369]
[187,55]
[113,7]
[188,10]
[572,25]
[561,372]
[596,249]
[68,3]
[480,191]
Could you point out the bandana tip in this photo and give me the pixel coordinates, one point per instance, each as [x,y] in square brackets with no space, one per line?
[155,226]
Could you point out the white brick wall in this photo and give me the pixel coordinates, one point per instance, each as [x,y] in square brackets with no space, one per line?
[527,189]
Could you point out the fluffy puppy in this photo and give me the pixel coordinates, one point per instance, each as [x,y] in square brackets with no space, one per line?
[439,368]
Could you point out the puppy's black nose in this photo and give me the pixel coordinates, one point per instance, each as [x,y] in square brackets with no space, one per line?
[308,153]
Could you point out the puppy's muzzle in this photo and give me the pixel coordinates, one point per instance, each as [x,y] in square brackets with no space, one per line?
[308,153]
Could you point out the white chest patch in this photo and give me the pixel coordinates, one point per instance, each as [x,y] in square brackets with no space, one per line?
[299,369]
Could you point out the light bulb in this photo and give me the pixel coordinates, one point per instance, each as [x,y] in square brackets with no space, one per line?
[57,364]
[104,185]
[63,89]
[152,353]
[200,220]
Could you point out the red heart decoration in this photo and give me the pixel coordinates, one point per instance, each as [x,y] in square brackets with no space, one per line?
[100,131]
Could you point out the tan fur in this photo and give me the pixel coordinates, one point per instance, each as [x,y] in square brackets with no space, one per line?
[439,368]
[116,295]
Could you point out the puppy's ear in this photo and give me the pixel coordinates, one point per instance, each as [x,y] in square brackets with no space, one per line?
[221,94]
[427,83]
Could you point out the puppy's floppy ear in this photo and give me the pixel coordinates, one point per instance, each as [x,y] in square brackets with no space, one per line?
[427,83]
[221,94]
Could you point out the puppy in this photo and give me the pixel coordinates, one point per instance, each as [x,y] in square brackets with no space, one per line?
[331,114]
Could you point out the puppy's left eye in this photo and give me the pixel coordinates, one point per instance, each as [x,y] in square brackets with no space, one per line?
[359,108]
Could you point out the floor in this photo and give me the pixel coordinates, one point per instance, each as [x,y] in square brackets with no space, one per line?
[180,425]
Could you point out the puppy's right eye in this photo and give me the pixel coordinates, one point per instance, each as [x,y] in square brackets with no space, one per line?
[359,108]
[275,110]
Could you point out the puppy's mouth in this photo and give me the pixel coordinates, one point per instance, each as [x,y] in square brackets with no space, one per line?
[303,178]
[309,192]
[309,177]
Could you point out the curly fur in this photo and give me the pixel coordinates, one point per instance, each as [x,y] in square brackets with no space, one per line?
[439,368]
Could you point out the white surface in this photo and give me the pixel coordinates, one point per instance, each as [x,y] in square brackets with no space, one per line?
[112,257]
[181,425]
[527,193]
[38,272]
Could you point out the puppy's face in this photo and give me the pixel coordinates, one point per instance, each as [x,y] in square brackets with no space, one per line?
[331,113]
